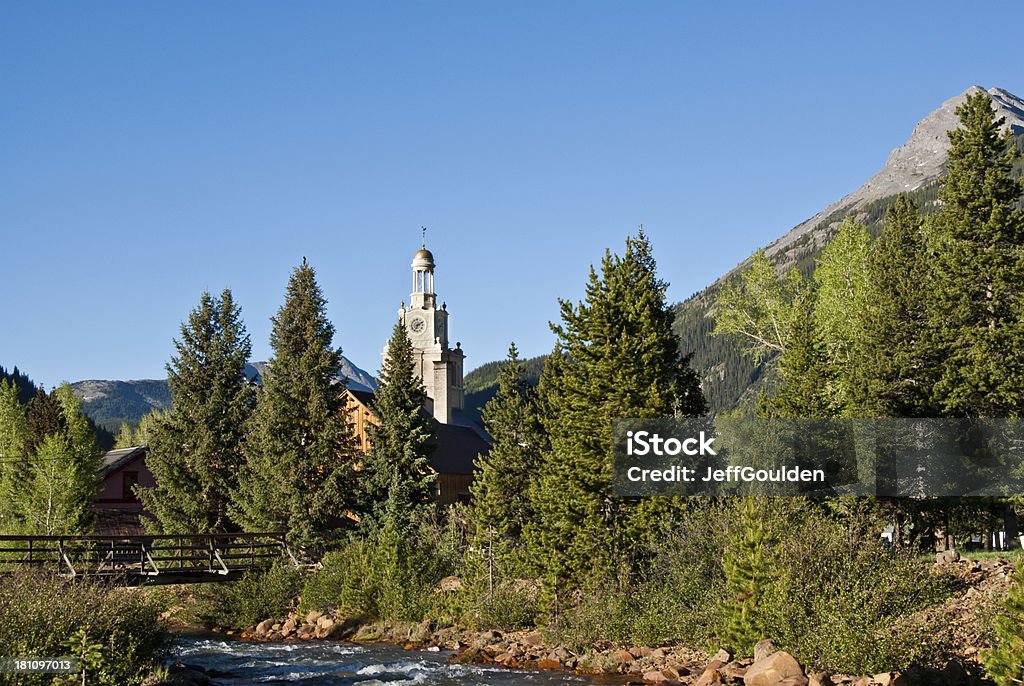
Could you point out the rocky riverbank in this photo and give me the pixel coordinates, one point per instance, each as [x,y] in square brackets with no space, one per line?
[653,665]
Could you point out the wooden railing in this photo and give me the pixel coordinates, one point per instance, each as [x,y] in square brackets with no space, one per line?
[192,558]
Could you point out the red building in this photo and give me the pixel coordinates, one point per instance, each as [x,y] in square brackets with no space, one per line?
[118,509]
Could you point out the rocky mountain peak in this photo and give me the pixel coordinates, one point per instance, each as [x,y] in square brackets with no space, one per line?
[912,165]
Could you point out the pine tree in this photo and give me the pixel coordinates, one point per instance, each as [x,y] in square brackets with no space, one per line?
[977,304]
[622,359]
[195,452]
[747,568]
[125,437]
[891,362]
[1004,662]
[807,382]
[500,506]
[44,417]
[300,452]
[397,480]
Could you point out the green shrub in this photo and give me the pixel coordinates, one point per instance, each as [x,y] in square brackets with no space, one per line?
[1005,660]
[250,600]
[840,601]
[114,631]
[384,576]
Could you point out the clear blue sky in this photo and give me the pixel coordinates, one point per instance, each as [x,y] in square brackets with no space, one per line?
[149,151]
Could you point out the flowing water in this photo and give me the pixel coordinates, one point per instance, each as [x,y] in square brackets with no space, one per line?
[329,662]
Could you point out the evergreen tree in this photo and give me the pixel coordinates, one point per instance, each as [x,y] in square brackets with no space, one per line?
[300,453]
[622,359]
[977,302]
[125,437]
[1004,661]
[44,417]
[398,481]
[195,452]
[747,566]
[806,381]
[500,506]
[891,362]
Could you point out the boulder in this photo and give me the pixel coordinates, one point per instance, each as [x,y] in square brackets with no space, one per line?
[769,671]
[819,679]
[313,616]
[623,657]
[548,663]
[658,678]
[263,628]
[710,677]
[764,648]
[534,638]
[288,627]
[722,656]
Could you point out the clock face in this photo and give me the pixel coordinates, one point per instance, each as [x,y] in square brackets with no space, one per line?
[417,324]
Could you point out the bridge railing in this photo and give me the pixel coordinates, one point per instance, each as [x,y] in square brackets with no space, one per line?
[176,554]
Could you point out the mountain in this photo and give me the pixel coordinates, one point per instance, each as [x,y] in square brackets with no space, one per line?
[112,403]
[728,376]
[913,168]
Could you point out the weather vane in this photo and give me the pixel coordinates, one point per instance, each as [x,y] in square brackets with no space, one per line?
[424,243]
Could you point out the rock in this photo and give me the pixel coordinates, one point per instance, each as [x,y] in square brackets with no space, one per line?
[325,623]
[657,653]
[733,670]
[288,627]
[264,627]
[313,616]
[547,663]
[947,556]
[722,656]
[708,678]
[491,636]
[771,670]
[639,652]
[534,638]
[883,679]
[792,681]
[659,679]
[623,657]
[764,648]
[560,653]
[819,679]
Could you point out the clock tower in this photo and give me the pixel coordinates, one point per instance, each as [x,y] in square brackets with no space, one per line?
[437,365]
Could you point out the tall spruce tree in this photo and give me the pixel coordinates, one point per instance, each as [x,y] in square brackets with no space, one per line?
[977,303]
[622,359]
[195,452]
[298,476]
[501,507]
[891,362]
[397,480]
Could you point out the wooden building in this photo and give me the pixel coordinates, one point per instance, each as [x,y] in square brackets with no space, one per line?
[118,510]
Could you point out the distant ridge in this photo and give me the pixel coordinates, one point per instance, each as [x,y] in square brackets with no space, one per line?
[112,403]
